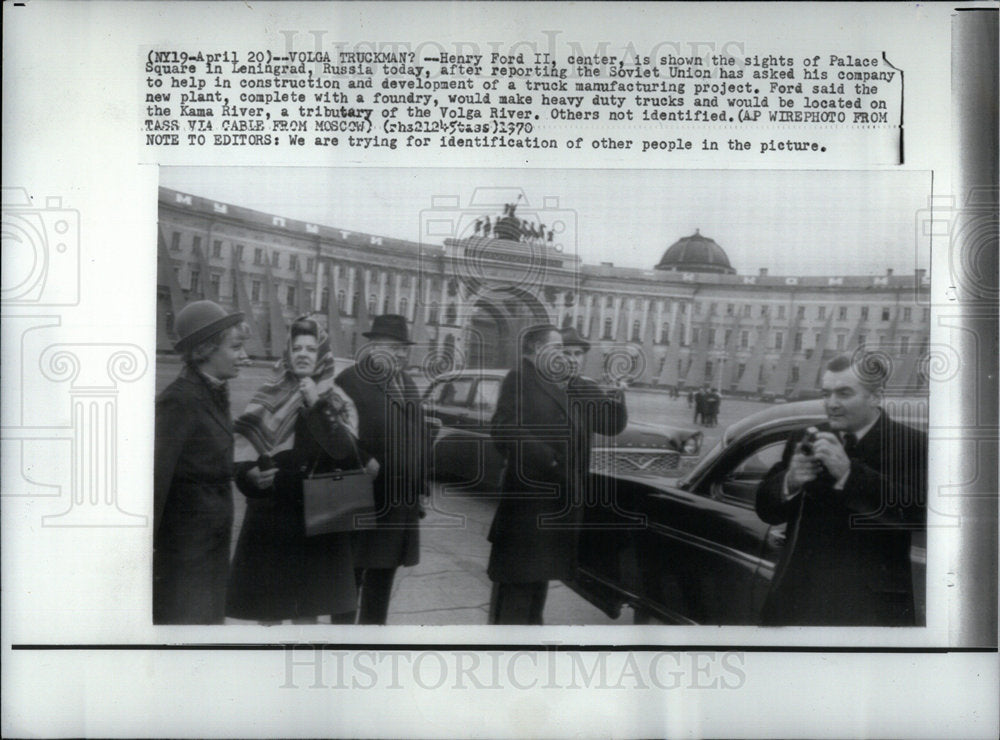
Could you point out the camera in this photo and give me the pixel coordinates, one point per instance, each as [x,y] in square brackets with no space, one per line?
[41,251]
[502,242]
[806,445]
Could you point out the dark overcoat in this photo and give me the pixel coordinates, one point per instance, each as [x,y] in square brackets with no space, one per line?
[277,572]
[193,502]
[544,432]
[847,557]
[393,429]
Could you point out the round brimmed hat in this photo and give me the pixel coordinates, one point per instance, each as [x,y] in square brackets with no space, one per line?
[571,338]
[202,320]
[389,326]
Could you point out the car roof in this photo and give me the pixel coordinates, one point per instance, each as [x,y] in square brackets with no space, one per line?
[797,410]
[477,373]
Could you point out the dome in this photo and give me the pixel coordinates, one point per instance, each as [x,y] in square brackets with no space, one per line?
[696,253]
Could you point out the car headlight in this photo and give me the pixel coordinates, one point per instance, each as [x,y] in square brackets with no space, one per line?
[692,445]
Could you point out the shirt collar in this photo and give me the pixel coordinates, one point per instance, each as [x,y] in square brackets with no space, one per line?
[213,382]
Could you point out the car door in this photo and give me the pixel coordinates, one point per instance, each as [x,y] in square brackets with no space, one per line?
[448,401]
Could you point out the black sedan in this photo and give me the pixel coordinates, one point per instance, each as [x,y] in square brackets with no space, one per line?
[694,551]
[464,402]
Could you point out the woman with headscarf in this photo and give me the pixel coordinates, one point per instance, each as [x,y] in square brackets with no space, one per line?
[296,425]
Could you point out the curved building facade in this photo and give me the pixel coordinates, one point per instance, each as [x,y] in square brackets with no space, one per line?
[690,320]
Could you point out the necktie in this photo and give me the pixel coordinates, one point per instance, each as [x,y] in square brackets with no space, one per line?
[850,443]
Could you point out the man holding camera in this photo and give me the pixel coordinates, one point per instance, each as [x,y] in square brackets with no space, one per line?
[851,490]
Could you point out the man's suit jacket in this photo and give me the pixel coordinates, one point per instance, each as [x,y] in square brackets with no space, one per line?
[193,502]
[392,428]
[544,433]
[847,557]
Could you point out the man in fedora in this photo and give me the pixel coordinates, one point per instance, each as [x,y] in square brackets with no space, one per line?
[392,428]
[543,426]
[193,460]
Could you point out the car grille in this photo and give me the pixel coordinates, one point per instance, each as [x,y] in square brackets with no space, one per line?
[633,462]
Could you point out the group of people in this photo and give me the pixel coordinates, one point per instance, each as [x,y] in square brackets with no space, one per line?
[306,420]
[706,402]
[850,491]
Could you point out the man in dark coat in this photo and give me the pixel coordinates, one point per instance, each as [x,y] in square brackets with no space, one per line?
[543,427]
[193,461]
[851,491]
[391,427]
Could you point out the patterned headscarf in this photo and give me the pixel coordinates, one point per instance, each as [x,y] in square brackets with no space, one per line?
[269,419]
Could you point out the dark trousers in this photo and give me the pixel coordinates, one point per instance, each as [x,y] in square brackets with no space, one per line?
[375,587]
[518,603]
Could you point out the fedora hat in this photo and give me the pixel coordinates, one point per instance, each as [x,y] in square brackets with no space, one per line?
[571,338]
[389,326]
[202,320]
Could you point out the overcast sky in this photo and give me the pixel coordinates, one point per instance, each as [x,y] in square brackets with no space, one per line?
[791,222]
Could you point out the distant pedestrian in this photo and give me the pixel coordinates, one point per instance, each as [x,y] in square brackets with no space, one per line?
[713,400]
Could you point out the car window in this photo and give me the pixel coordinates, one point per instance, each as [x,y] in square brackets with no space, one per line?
[453,392]
[763,459]
[487,392]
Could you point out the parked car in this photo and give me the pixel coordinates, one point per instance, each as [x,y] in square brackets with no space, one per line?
[694,551]
[464,454]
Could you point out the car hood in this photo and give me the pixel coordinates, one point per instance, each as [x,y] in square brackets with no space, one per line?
[645,434]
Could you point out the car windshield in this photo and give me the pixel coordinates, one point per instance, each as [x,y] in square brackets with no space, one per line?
[707,460]
[452,392]
[487,392]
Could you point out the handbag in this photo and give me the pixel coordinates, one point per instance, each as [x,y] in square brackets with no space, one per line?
[334,502]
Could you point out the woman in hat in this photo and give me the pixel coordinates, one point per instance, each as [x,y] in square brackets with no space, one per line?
[295,425]
[193,513]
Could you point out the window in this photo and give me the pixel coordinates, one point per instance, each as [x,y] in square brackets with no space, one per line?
[275,259]
[636,328]
[926,315]
[194,280]
[797,342]
[453,392]
[607,328]
[341,300]
[779,339]
[695,335]
[711,337]
[451,314]
[708,369]
[372,303]
[684,309]
[255,291]
[196,244]
[175,241]
[293,261]
[404,306]
[609,302]
[881,340]
[740,369]
[487,393]
[385,305]
[746,310]
[697,309]
[291,296]
[310,264]
[801,312]
[579,324]
[781,312]
[730,309]
[795,374]
[713,309]
[861,341]
[819,340]
[907,314]
[307,298]
[239,252]
[763,310]
[904,345]
[258,256]
[435,311]
[665,333]
[729,335]
[324,299]
[216,281]
[682,334]
[841,339]
[842,313]
[864,313]
[885,314]
[744,339]
[217,248]
[821,312]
